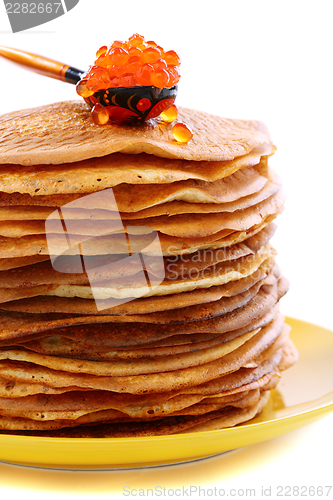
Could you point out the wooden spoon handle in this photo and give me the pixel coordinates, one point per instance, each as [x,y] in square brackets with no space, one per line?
[42,65]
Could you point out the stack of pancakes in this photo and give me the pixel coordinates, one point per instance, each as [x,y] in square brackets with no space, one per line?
[139,293]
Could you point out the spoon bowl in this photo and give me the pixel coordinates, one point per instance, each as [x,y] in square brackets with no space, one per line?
[134,103]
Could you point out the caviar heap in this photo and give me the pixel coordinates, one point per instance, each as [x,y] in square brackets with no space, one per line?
[135,62]
[134,80]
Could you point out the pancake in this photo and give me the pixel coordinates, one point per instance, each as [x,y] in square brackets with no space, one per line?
[35,212]
[170,425]
[145,374]
[184,225]
[132,287]
[106,330]
[39,245]
[139,293]
[101,268]
[272,185]
[233,383]
[20,207]
[14,263]
[48,304]
[187,314]
[9,294]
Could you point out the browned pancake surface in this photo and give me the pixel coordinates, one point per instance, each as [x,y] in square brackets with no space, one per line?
[63,132]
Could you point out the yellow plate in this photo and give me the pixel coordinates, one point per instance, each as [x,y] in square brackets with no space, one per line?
[304,395]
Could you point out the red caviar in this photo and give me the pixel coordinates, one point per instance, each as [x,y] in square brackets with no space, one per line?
[143,74]
[181,132]
[160,78]
[134,62]
[101,51]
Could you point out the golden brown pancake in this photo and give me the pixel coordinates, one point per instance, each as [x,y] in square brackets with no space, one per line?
[165,316]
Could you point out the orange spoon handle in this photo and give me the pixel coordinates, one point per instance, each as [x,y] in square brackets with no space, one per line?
[42,65]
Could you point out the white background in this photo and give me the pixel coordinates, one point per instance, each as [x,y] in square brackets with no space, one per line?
[253,59]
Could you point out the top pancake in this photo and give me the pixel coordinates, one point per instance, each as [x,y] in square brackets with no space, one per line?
[63,132]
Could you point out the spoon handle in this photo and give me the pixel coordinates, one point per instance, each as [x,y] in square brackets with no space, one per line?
[42,65]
